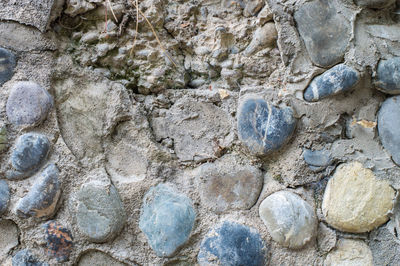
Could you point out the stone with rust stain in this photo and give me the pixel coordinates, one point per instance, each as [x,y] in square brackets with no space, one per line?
[59,241]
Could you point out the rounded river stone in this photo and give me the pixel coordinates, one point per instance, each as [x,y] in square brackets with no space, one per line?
[4,196]
[7,65]
[389,127]
[59,241]
[28,104]
[167,219]
[232,244]
[262,127]
[375,3]
[338,79]
[100,213]
[355,201]
[350,252]
[290,220]
[388,76]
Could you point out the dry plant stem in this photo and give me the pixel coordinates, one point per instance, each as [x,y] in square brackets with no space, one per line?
[154,31]
[112,11]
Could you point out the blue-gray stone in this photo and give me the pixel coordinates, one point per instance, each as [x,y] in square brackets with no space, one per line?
[232,244]
[28,104]
[262,127]
[4,196]
[30,151]
[324,30]
[7,65]
[167,218]
[317,160]
[388,76]
[25,258]
[389,127]
[42,198]
[336,80]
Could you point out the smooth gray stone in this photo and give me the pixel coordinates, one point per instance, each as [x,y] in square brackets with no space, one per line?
[388,76]
[375,3]
[324,30]
[321,158]
[25,258]
[4,196]
[7,65]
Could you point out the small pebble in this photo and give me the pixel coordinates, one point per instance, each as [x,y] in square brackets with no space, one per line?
[350,252]
[4,196]
[25,258]
[42,198]
[7,65]
[232,244]
[290,220]
[28,104]
[262,127]
[59,241]
[375,3]
[317,160]
[167,219]
[388,76]
[336,80]
[262,38]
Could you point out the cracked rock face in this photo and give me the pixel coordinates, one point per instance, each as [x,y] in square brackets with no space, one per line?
[7,65]
[350,252]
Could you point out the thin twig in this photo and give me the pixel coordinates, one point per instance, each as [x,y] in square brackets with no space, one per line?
[112,11]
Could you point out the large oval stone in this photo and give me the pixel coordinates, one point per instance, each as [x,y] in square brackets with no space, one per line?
[389,127]
[4,196]
[355,201]
[7,65]
[375,3]
[290,220]
[100,214]
[324,30]
[28,104]
[167,219]
[336,80]
[230,243]
[388,76]
[350,252]
[264,128]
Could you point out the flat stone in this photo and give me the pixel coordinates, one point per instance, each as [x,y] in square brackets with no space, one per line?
[336,80]
[7,65]
[167,219]
[98,258]
[230,243]
[59,241]
[357,188]
[4,196]
[389,127]
[324,30]
[388,76]
[29,153]
[264,128]
[41,200]
[25,258]
[100,213]
[28,104]
[349,252]
[9,236]
[3,138]
[227,185]
[375,3]
[290,220]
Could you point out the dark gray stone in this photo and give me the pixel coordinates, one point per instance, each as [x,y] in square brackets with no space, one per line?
[324,30]
[262,127]
[7,65]
[317,160]
[30,151]
[28,104]
[375,3]
[232,244]
[4,196]
[389,127]
[336,80]
[167,218]
[25,258]
[41,200]
[388,76]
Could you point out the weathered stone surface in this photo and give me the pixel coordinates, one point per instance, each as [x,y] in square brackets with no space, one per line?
[231,243]
[375,3]
[290,220]
[167,219]
[25,258]
[324,30]
[100,214]
[317,160]
[28,103]
[389,127]
[59,241]
[98,258]
[30,151]
[3,138]
[262,127]
[349,252]
[367,199]
[9,236]
[227,185]
[7,65]
[4,196]
[384,246]
[388,76]
[262,38]
[76,7]
[326,238]
[41,200]
[336,80]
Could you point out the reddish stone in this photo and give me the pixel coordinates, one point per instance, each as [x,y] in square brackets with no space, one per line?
[59,241]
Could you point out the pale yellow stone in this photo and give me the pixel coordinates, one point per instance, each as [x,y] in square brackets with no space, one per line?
[355,201]
[350,253]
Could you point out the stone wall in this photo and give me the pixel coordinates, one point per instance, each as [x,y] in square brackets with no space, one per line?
[212,132]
